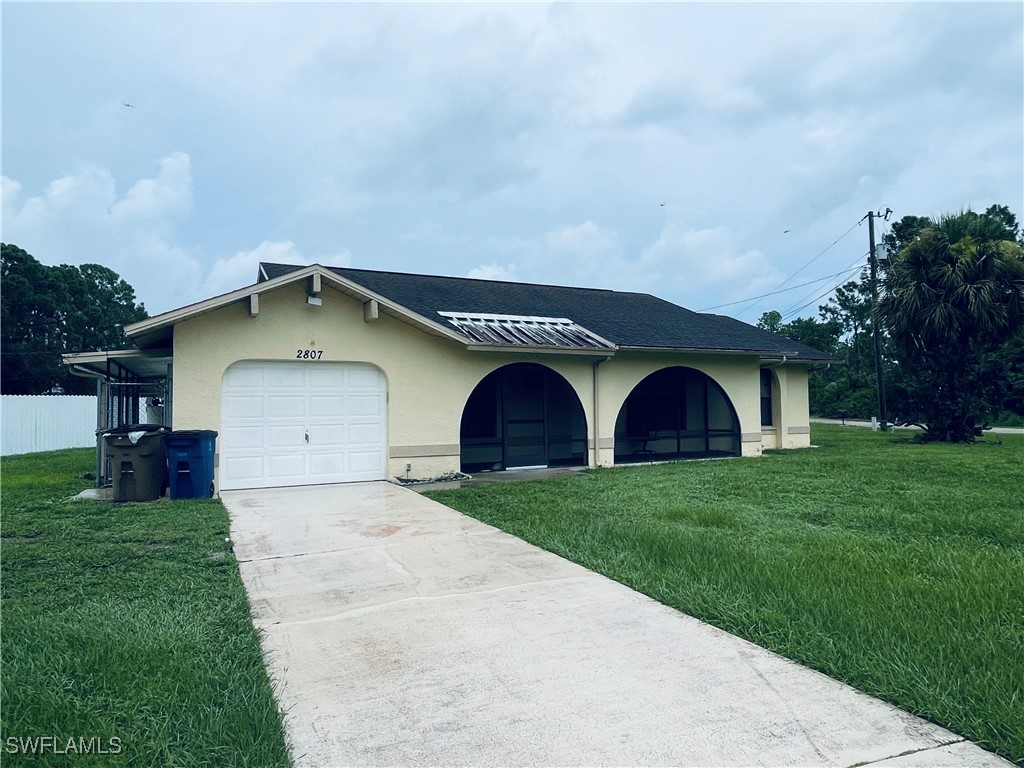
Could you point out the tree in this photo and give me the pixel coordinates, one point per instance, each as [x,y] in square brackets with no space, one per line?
[951,296]
[771,321]
[47,311]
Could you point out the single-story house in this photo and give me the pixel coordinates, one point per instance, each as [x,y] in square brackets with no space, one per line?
[324,375]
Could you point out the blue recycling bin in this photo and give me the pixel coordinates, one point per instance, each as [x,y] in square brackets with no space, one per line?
[190,463]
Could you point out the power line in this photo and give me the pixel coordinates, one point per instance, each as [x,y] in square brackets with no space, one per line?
[805,266]
[793,310]
[784,290]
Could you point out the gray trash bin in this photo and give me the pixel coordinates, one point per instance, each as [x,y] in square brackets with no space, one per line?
[138,461]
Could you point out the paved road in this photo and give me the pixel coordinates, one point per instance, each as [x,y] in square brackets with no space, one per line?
[400,632]
[859,423]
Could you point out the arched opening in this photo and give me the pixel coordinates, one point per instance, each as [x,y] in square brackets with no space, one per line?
[522,415]
[676,413]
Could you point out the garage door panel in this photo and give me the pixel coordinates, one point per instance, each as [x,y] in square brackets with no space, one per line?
[326,406]
[286,465]
[365,405]
[328,435]
[364,436]
[326,377]
[366,377]
[269,409]
[241,438]
[321,464]
[244,377]
[291,407]
[368,461]
[245,407]
[244,468]
[285,376]
[286,437]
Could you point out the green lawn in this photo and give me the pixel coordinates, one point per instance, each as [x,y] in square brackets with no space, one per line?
[895,567]
[125,628]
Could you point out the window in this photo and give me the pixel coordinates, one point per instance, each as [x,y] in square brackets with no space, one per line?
[766,397]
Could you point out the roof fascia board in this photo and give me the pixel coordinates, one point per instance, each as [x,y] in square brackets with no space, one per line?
[209,305]
[704,351]
[158,322]
[791,360]
[514,348]
[392,307]
[96,364]
[75,358]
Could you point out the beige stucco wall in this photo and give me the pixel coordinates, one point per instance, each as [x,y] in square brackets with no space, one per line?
[737,375]
[790,406]
[430,378]
[795,431]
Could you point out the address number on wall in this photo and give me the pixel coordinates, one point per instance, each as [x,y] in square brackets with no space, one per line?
[308,354]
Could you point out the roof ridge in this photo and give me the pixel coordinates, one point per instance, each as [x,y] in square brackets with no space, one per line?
[471,279]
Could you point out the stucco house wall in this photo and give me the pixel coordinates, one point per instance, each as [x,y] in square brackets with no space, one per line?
[430,378]
[736,375]
[795,429]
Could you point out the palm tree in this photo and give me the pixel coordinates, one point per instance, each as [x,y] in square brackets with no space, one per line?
[953,293]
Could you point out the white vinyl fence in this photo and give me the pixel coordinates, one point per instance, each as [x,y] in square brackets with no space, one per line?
[34,423]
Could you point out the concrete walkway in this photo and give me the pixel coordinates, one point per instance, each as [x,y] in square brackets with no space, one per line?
[400,632]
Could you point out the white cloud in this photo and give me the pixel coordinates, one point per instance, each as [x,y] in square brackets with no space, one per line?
[690,266]
[698,266]
[585,253]
[10,191]
[494,271]
[80,218]
[529,141]
[168,195]
[242,269]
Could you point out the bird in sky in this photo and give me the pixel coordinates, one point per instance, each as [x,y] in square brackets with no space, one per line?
[126,104]
[785,231]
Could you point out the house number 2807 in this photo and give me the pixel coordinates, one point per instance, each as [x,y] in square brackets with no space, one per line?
[308,354]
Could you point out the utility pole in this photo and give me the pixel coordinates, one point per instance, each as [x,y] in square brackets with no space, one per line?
[883,416]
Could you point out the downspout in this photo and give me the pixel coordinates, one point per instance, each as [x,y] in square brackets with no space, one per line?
[597,414]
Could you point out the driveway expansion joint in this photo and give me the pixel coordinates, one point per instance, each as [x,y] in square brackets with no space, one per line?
[381,545]
[365,609]
[908,752]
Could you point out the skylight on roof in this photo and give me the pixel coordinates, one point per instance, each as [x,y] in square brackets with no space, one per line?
[522,330]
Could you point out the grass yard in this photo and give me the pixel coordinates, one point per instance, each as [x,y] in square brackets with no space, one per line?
[125,628]
[895,567]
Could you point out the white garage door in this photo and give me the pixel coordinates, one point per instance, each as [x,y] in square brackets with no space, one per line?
[302,423]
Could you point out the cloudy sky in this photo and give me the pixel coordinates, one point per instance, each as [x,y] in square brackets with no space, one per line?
[706,153]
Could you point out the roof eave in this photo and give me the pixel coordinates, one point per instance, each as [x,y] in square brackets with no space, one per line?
[790,356]
[544,350]
[156,327]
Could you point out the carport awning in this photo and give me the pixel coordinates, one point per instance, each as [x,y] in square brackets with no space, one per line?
[524,331]
[144,365]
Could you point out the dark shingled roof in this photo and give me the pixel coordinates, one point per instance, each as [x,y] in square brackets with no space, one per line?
[625,319]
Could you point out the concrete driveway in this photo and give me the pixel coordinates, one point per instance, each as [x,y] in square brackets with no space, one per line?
[400,632]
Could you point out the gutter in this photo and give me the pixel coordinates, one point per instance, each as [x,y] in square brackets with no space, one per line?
[706,351]
[513,348]
[775,365]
